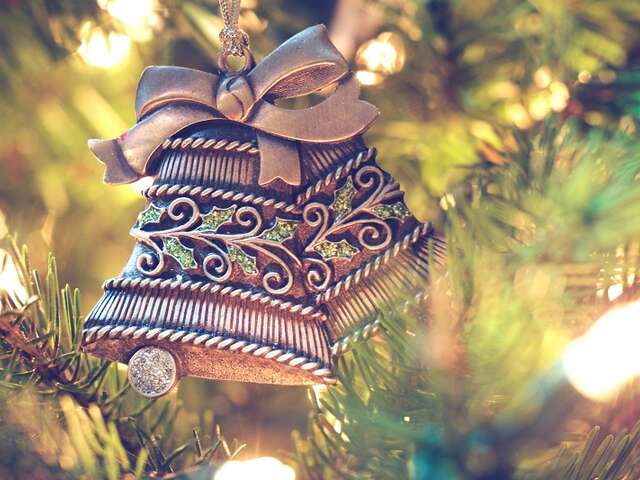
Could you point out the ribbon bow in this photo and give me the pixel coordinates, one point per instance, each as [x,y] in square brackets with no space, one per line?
[169,99]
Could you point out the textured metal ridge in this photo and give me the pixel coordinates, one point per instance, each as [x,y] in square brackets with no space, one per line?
[339,172]
[124,282]
[317,368]
[191,190]
[363,272]
[210,144]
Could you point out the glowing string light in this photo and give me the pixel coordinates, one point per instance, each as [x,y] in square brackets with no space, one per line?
[139,17]
[607,356]
[10,280]
[102,49]
[265,468]
[379,57]
[142,184]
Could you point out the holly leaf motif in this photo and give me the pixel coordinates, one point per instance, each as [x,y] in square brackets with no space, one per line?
[151,214]
[342,198]
[216,217]
[329,250]
[183,255]
[282,230]
[395,210]
[246,262]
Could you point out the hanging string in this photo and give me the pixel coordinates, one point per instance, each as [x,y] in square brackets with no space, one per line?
[234,41]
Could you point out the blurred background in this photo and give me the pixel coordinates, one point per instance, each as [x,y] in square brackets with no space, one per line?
[450,77]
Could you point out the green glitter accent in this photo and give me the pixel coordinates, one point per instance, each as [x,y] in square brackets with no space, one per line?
[395,210]
[342,200]
[341,249]
[247,262]
[182,254]
[281,231]
[216,217]
[151,214]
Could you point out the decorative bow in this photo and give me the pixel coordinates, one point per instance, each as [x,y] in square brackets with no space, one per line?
[169,99]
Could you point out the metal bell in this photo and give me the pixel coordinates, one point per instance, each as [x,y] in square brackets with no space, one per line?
[259,257]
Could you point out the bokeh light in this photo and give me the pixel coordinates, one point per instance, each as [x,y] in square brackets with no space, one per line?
[101,48]
[380,57]
[139,17]
[369,78]
[10,280]
[142,184]
[607,356]
[265,468]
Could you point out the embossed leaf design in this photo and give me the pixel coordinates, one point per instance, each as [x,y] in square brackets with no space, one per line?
[342,198]
[281,231]
[246,262]
[182,254]
[216,217]
[395,210]
[151,214]
[341,249]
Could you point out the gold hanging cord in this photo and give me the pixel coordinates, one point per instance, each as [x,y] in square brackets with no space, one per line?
[234,41]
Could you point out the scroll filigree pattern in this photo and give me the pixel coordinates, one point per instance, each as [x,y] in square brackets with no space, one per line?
[211,240]
[365,220]
[198,242]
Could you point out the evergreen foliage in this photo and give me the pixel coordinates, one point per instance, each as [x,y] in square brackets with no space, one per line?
[72,412]
[513,127]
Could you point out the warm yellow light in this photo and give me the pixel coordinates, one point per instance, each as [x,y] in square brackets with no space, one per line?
[519,115]
[614,291]
[138,16]
[584,77]
[384,54]
[10,280]
[141,185]
[503,90]
[265,468]
[368,78]
[559,96]
[3,225]
[103,49]
[607,356]
[542,77]
[539,107]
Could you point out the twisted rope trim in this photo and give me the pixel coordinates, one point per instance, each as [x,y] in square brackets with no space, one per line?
[363,333]
[363,272]
[212,144]
[342,170]
[160,190]
[209,340]
[243,294]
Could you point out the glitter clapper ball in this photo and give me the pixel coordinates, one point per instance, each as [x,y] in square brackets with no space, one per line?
[152,371]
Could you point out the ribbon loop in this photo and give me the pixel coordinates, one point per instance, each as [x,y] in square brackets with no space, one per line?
[170,99]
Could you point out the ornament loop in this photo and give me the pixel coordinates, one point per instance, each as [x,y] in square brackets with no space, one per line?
[245,52]
[234,42]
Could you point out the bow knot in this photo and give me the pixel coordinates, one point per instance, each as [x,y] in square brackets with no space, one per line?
[235,98]
[170,99]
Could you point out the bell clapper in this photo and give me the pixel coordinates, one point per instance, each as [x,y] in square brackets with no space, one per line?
[152,372]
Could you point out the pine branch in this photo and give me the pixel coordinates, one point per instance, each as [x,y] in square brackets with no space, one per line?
[63,393]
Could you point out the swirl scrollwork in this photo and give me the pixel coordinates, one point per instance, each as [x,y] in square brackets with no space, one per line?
[371,232]
[219,248]
[211,242]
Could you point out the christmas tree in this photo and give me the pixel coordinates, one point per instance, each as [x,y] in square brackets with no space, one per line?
[512,127]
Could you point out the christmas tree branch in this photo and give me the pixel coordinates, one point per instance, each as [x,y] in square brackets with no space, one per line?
[81,398]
